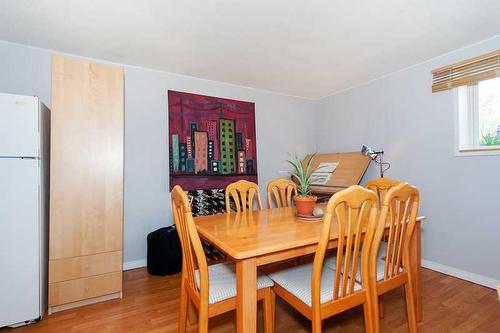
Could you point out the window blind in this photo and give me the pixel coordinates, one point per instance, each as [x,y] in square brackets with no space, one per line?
[484,67]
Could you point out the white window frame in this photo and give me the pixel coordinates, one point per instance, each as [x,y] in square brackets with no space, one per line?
[468,112]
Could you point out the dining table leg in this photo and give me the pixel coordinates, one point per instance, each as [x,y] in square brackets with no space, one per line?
[415,255]
[246,308]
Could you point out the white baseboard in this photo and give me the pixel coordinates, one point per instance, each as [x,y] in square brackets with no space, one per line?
[464,275]
[134,264]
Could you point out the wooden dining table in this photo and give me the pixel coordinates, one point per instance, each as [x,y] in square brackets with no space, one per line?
[255,238]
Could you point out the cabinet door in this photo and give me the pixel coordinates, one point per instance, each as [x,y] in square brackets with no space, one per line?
[86,183]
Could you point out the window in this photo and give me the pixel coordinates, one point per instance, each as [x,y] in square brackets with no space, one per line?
[476,83]
[478,117]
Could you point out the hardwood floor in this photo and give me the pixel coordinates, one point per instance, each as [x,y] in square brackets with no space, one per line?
[150,304]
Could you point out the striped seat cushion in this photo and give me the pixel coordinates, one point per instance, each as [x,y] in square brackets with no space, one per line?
[297,281]
[222,282]
[331,262]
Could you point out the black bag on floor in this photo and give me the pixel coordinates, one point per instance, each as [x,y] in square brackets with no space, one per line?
[164,252]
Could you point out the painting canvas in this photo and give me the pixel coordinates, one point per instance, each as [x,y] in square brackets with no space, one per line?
[211,141]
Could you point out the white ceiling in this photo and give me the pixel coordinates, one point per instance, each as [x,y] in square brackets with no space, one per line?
[303,48]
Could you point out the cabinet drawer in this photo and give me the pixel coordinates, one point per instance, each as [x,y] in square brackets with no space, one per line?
[80,289]
[84,266]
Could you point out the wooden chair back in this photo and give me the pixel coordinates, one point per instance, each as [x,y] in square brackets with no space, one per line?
[399,212]
[243,194]
[193,256]
[280,191]
[354,210]
[380,186]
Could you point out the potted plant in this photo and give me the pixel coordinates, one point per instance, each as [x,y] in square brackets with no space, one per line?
[304,201]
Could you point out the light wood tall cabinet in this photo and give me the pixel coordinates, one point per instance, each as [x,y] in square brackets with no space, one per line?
[86,183]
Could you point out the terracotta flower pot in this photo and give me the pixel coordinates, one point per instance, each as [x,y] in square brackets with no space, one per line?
[305,205]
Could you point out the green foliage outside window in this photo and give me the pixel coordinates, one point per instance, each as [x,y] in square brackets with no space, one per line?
[490,140]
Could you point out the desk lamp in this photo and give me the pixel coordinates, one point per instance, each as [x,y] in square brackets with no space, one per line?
[377,157]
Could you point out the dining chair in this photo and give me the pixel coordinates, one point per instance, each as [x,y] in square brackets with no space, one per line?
[280,191]
[380,186]
[212,289]
[399,215]
[242,193]
[352,215]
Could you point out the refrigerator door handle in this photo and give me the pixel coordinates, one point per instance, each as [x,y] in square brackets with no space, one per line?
[20,157]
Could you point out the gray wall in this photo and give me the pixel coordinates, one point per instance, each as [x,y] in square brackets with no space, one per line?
[25,71]
[397,113]
[284,124]
[460,195]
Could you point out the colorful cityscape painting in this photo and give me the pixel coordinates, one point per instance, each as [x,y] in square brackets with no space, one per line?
[211,141]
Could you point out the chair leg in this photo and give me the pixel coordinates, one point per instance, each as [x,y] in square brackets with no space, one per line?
[316,320]
[183,307]
[203,320]
[381,307]
[191,313]
[410,307]
[369,317]
[317,326]
[269,308]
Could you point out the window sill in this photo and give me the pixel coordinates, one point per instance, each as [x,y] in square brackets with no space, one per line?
[487,151]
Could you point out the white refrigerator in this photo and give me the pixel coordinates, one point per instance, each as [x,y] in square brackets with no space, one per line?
[24,202]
